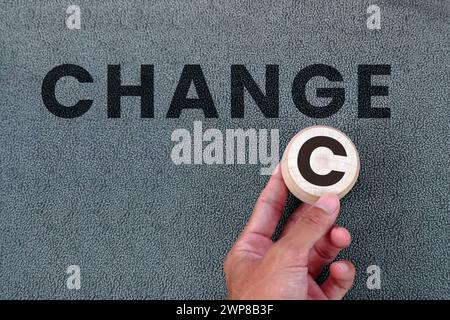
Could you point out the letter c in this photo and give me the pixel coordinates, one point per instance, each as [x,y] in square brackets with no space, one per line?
[48,91]
[304,155]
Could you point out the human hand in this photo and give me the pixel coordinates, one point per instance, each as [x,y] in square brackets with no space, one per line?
[258,268]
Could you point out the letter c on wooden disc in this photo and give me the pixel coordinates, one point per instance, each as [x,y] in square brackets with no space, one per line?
[319,160]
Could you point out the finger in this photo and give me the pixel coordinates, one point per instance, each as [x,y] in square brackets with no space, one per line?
[314,291]
[340,280]
[269,207]
[293,218]
[311,226]
[327,248]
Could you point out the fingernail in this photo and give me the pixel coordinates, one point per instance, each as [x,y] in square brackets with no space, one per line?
[343,267]
[328,202]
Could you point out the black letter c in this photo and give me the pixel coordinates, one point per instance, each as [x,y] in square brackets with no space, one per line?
[304,155]
[48,91]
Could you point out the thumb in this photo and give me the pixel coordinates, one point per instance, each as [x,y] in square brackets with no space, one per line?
[310,227]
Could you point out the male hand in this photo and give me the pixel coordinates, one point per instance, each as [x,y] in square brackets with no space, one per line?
[258,268]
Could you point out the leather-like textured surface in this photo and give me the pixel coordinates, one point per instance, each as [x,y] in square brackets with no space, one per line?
[104,194]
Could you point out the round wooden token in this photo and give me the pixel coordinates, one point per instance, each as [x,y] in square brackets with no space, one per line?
[319,160]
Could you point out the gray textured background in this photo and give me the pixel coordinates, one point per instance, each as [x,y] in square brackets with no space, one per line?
[103,193]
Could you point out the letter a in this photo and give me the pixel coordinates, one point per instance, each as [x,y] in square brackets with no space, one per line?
[74,280]
[374,20]
[73,21]
[374,280]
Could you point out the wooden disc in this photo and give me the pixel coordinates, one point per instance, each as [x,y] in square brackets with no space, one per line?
[319,160]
